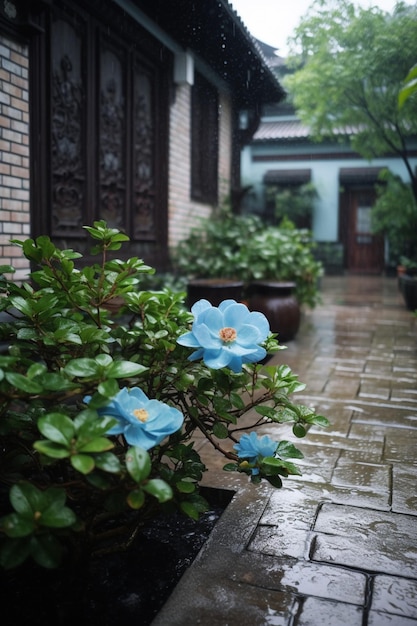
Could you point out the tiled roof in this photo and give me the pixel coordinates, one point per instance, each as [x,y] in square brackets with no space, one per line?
[289,129]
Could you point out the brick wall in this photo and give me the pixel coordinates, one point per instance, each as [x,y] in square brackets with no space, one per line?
[14,153]
[183,212]
[225,142]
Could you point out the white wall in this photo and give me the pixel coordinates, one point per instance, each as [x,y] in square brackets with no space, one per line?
[324,175]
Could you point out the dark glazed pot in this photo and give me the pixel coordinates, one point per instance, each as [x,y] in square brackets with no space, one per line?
[215,290]
[408,287]
[276,300]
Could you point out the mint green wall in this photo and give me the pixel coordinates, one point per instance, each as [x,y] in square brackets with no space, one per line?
[324,174]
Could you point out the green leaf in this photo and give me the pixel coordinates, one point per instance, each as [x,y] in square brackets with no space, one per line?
[53,381]
[109,388]
[185,486]
[15,525]
[82,463]
[230,467]
[299,430]
[46,551]
[21,305]
[23,383]
[159,489]
[275,481]
[108,462]
[318,420]
[57,516]
[104,360]
[125,369]
[190,510]
[57,427]
[36,369]
[99,444]
[237,400]
[82,368]
[220,431]
[51,449]
[287,450]
[138,463]
[290,468]
[13,552]
[26,498]
[136,499]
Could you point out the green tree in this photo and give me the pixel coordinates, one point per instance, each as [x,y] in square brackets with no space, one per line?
[349,69]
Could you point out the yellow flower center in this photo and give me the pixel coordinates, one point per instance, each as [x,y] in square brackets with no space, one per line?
[227,334]
[141,414]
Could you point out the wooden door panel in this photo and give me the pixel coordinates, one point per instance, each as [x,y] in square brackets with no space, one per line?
[365,251]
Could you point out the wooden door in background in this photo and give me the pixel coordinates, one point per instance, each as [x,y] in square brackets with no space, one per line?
[365,251]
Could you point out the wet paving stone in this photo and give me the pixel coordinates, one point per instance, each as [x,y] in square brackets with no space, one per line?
[401,448]
[342,387]
[363,476]
[230,603]
[371,390]
[276,540]
[336,546]
[404,499]
[358,498]
[317,612]
[386,416]
[372,541]
[323,581]
[343,443]
[404,394]
[376,618]
[397,596]
[296,506]
[371,455]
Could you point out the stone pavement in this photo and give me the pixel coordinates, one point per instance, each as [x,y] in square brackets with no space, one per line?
[338,545]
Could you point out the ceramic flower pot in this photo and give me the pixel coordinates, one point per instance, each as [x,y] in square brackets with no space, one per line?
[277,301]
[215,290]
[408,287]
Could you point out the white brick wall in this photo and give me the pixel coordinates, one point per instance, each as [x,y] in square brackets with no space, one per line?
[14,153]
[183,212]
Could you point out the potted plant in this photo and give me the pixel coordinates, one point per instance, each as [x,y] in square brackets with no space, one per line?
[243,248]
[99,409]
[394,215]
[407,282]
[213,256]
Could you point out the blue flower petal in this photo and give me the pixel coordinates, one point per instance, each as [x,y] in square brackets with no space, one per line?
[199,307]
[206,338]
[189,340]
[252,447]
[143,422]
[252,329]
[218,359]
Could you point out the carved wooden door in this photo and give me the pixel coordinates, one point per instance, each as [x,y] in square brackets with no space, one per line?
[365,251]
[106,123]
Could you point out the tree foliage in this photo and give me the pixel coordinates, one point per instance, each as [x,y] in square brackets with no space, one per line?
[348,72]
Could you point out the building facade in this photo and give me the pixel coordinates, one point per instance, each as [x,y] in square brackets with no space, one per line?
[282,155]
[122,110]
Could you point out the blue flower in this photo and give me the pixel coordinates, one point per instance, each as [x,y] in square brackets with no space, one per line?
[229,335]
[254,448]
[141,421]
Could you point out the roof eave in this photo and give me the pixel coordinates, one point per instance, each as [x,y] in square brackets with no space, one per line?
[214,31]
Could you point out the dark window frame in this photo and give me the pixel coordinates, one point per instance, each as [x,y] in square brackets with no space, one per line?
[204,141]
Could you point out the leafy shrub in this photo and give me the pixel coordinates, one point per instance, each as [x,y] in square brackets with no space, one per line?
[242,247]
[101,394]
